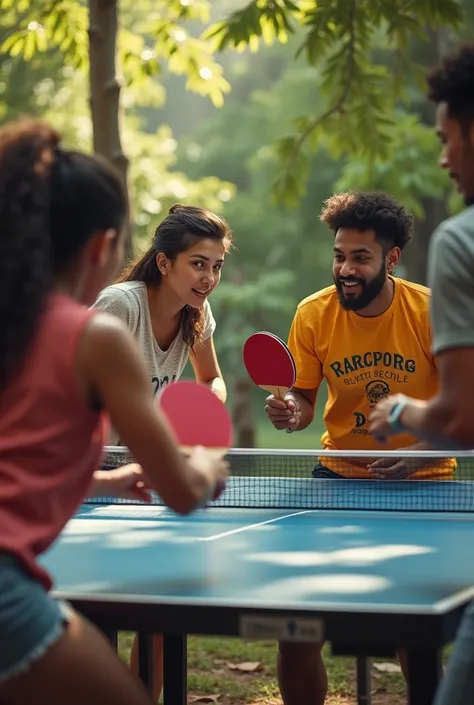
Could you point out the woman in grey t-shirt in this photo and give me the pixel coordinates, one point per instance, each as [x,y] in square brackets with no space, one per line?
[163,299]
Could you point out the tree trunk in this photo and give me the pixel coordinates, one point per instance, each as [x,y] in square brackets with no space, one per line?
[416,258]
[105,91]
[243,414]
[415,261]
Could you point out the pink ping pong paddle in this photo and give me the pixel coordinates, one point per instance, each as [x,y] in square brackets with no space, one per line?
[197,417]
[269,363]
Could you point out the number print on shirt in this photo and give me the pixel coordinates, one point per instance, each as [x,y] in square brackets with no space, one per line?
[161,382]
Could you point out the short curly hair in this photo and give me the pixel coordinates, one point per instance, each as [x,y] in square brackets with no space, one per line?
[452,82]
[370,210]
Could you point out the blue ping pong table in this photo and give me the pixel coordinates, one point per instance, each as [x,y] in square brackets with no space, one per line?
[330,568]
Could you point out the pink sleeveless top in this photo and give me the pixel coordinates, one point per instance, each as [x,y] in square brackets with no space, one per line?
[50,440]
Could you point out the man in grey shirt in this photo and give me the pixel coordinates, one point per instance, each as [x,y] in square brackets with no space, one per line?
[447,419]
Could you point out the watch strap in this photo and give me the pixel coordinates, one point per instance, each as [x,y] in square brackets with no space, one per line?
[394,417]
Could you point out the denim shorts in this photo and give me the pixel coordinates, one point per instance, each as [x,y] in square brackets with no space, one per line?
[30,620]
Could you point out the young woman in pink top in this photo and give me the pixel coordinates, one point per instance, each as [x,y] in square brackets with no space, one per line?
[64,370]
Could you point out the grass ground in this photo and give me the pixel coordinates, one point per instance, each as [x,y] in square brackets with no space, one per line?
[269,437]
[235,672]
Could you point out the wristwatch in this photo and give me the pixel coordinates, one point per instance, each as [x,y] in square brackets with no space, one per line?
[393,419]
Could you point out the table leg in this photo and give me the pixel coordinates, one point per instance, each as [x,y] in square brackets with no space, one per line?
[111,636]
[364,679]
[175,684]
[145,660]
[425,671]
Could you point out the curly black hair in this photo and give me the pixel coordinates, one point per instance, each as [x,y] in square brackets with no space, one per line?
[370,210]
[51,202]
[452,82]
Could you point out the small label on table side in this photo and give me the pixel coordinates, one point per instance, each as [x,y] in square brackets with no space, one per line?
[281,629]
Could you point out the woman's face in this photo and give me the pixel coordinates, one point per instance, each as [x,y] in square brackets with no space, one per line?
[195,273]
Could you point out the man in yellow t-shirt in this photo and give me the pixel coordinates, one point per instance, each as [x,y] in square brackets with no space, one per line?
[368,336]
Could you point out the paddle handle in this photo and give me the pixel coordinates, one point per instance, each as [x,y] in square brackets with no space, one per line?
[278,392]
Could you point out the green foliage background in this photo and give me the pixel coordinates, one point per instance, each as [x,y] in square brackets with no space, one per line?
[260,111]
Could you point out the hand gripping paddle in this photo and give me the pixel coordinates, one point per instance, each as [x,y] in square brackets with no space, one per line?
[269,363]
[197,417]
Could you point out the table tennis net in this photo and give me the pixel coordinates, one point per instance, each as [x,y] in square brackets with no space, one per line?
[279,479]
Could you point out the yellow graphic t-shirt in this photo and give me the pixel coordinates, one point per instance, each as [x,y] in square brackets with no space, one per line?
[364,360]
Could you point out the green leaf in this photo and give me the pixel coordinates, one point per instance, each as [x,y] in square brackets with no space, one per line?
[30,45]
[41,40]
[7,46]
[18,47]
[55,22]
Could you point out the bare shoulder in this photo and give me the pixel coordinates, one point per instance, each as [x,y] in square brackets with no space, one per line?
[102,325]
[105,338]
[105,348]
[105,329]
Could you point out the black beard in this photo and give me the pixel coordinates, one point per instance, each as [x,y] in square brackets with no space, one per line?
[369,292]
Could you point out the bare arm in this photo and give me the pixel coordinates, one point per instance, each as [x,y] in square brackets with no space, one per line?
[110,365]
[206,368]
[421,445]
[127,482]
[447,418]
[444,420]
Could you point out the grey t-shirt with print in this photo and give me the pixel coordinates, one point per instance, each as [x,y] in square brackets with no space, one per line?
[129,302]
[451,280]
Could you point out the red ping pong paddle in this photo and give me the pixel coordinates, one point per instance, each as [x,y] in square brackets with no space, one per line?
[197,417]
[269,363]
